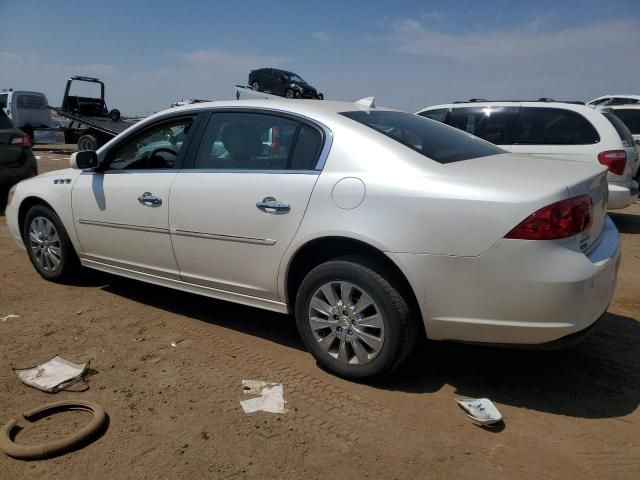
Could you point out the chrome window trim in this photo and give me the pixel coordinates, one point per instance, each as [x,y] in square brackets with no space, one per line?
[243,170]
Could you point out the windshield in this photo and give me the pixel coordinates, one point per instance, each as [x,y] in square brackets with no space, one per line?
[439,142]
[32,102]
[295,78]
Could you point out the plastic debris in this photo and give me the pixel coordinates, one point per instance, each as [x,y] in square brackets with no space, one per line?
[53,375]
[9,317]
[271,397]
[480,410]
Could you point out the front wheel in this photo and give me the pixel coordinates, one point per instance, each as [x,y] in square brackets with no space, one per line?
[48,245]
[290,93]
[353,320]
[255,86]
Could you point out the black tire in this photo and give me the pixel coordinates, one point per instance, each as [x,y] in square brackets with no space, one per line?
[290,93]
[69,263]
[255,85]
[87,142]
[400,328]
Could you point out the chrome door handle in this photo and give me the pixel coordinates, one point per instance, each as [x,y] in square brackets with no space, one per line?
[148,199]
[271,205]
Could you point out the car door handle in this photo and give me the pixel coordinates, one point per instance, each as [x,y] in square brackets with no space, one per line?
[148,199]
[271,205]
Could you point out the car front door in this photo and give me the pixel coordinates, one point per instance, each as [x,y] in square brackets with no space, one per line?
[235,212]
[121,211]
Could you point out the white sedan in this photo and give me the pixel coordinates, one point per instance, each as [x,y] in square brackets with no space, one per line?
[373,226]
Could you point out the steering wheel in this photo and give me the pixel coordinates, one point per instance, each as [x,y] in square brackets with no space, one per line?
[149,159]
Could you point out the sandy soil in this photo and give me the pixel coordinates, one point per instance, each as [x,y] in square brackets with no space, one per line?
[174,411]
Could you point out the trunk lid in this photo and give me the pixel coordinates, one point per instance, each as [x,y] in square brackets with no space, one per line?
[539,177]
[11,155]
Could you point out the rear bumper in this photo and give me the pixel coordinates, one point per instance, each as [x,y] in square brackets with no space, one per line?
[23,168]
[622,194]
[517,293]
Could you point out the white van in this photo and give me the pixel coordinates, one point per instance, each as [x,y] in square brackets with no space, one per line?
[27,110]
[568,131]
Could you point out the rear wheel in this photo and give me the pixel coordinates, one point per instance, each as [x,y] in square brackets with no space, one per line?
[48,245]
[87,142]
[353,320]
[290,93]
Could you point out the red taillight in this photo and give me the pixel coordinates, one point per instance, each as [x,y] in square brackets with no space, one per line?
[22,139]
[614,160]
[558,220]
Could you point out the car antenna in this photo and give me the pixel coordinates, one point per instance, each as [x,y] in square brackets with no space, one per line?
[369,102]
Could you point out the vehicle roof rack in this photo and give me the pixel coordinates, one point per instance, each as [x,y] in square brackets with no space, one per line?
[542,99]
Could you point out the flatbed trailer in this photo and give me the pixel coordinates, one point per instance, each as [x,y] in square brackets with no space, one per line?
[92,125]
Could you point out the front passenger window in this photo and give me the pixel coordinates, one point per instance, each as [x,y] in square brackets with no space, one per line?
[156,148]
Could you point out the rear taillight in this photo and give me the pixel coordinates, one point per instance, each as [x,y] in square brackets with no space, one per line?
[558,220]
[614,160]
[22,139]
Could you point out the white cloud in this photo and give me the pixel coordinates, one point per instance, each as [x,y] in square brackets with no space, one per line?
[325,37]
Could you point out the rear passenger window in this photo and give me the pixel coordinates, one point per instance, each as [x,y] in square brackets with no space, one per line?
[257,141]
[438,115]
[307,149]
[553,126]
[631,118]
[494,124]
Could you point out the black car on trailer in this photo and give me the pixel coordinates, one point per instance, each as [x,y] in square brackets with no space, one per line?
[283,83]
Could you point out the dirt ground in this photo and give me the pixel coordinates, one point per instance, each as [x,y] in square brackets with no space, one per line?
[175,413]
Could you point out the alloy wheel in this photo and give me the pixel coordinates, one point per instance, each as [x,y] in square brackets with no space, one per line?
[346,322]
[45,245]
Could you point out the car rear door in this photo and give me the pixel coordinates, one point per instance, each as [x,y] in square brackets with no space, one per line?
[235,211]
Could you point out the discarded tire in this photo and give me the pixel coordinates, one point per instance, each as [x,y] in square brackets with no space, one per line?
[56,447]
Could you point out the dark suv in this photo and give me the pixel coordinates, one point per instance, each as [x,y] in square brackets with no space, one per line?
[283,83]
[17,161]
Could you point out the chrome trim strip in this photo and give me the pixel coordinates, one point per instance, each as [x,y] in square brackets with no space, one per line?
[161,278]
[224,238]
[123,226]
[240,170]
[129,266]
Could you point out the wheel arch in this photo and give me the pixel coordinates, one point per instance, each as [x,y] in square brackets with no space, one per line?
[24,207]
[319,250]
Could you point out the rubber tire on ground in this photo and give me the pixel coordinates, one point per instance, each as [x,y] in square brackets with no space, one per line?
[255,86]
[290,91]
[89,142]
[69,262]
[400,327]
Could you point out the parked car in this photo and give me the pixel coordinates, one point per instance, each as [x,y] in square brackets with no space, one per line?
[373,226]
[27,110]
[283,83]
[609,100]
[17,161]
[630,116]
[570,131]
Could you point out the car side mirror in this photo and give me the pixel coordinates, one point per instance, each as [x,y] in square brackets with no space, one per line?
[84,160]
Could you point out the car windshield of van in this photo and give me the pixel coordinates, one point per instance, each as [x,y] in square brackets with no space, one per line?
[36,102]
[434,140]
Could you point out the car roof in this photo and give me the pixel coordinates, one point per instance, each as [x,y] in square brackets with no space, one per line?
[297,106]
[512,103]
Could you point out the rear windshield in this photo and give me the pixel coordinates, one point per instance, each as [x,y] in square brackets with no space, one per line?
[630,117]
[31,101]
[430,138]
[623,131]
[5,122]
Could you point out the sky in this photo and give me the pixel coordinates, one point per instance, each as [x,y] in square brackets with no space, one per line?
[408,54]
